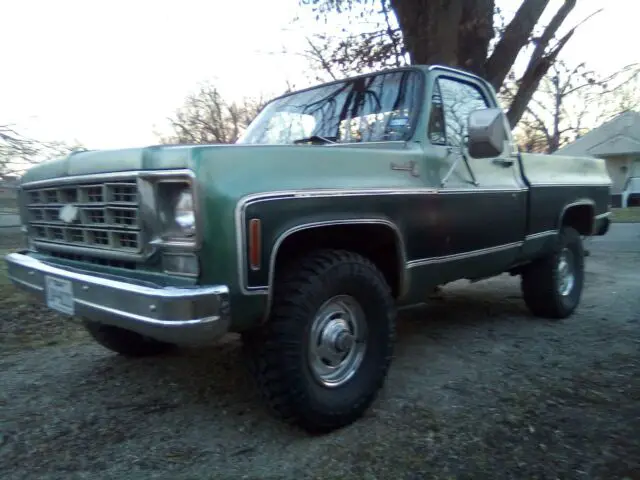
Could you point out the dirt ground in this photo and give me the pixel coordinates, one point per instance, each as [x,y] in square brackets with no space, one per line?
[478,389]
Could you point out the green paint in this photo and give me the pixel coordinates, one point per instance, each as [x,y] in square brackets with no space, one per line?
[442,225]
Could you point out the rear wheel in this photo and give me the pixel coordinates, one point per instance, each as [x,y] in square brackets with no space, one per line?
[126,342]
[323,355]
[552,286]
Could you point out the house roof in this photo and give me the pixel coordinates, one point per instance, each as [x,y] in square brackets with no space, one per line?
[619,136]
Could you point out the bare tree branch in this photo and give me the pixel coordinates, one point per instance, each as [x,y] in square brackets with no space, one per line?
[570,100]
[515,37]
[453,32]
[541,126]
[391,32]
[205,117]
[317,55]
[18,152]
[549,32]
[530,81]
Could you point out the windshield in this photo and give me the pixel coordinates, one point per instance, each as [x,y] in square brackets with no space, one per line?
[375,108]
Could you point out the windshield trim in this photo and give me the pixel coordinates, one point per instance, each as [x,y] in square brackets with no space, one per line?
[420,95]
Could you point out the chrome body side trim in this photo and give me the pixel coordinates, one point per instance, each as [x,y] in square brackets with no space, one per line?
[462,256]
[580,203]
[356,192]
[48,247]
[545,185]
[457,71]
[602,224]
[536,236]
[404,266]
[185,316]
[603,216]
[266,289]
[99,177]
[241,205]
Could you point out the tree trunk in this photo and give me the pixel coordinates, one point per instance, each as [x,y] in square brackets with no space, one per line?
[430,29]
[457,33]
[557,114]
[474,35]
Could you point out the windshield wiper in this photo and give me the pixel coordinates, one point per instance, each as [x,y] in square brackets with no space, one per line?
[316,138]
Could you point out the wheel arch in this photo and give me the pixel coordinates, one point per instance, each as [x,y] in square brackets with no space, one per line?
[579,215]
[310,236]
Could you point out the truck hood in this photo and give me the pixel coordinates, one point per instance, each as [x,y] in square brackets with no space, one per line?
[107,161]
[165,157]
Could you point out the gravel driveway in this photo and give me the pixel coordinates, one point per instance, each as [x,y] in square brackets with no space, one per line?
[478,389]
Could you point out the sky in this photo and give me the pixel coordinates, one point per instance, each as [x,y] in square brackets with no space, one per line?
[108,73]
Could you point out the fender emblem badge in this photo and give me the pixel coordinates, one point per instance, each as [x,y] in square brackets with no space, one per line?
[411,167]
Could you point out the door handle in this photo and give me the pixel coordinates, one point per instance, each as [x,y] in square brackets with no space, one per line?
[502,162]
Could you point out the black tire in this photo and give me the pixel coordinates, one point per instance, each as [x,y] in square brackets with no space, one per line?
[540,280]
[126,342]
[278,352]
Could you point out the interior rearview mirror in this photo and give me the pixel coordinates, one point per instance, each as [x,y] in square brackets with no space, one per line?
[487,133]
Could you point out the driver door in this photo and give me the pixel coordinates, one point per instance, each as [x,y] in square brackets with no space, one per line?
[483,200]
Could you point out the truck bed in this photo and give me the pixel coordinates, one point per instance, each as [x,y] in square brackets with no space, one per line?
[558,183]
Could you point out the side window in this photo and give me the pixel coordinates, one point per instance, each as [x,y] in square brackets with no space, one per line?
[459,99]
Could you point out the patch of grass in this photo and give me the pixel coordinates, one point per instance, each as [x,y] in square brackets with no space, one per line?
[396,447]
[3,270]
[26,324]
[10,241]
[625,215]
[10,296]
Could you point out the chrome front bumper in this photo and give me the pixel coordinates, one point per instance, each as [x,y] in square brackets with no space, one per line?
[183,316]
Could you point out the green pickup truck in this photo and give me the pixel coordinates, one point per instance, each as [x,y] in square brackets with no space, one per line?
[341,204]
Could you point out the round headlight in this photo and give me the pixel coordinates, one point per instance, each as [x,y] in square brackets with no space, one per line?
[185,215]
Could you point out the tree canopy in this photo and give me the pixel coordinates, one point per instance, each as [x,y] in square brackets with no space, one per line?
[207,117]
[468,34]
[573,99]
[548,102]
[19,151]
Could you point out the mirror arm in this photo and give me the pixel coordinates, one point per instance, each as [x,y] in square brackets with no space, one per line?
[471,174]
[462,156]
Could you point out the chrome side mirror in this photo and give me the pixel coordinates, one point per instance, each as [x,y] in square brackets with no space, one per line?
[487,133]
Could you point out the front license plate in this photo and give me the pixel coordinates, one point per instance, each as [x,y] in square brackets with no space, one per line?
[59,295]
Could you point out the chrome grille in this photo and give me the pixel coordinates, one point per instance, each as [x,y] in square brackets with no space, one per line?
[107,216]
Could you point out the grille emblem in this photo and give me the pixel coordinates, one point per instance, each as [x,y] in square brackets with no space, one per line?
[69,213]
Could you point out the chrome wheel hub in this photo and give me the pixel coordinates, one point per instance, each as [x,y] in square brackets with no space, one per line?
[337,341]
[565,272]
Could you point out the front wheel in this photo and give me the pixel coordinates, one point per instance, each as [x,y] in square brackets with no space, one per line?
[324,353]
[552,286]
